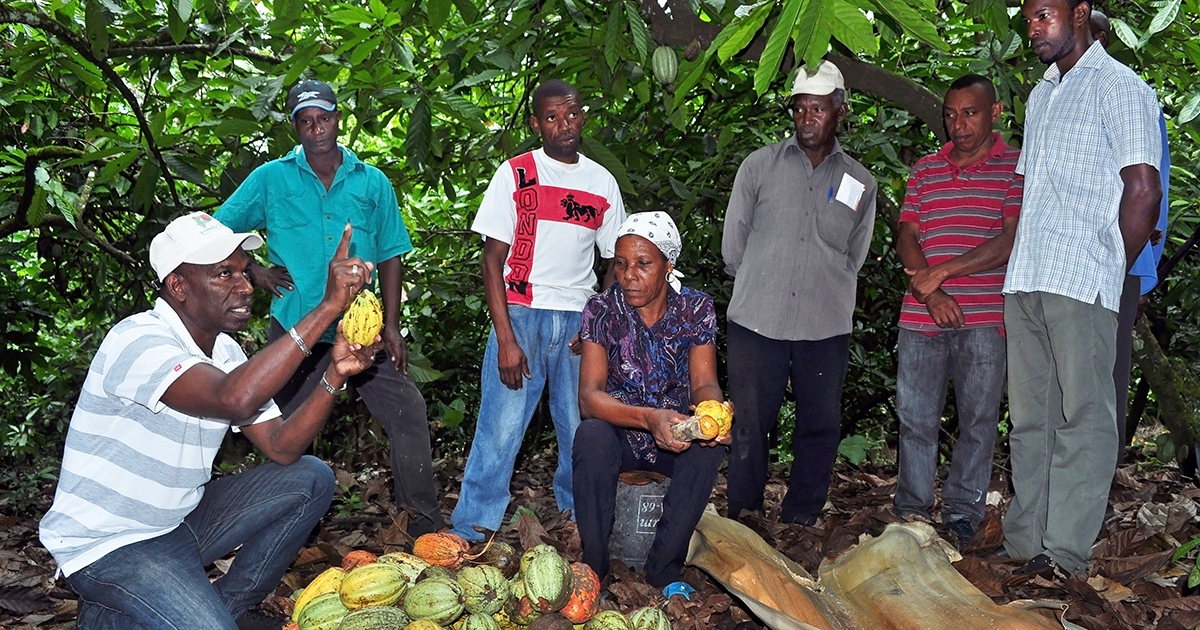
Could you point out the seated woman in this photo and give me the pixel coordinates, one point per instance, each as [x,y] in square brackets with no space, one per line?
[649,355]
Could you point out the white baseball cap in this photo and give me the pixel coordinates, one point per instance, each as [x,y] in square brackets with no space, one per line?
[826,79]
[199,239]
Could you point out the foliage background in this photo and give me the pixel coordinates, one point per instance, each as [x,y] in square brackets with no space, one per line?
[117,116]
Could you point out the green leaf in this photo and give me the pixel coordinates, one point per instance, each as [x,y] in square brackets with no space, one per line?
[464,110]
[851,27]
[185,170]
[1125,33]
[1194,577]
[1164,17]
[911,21]
[468,10]
[299,61]
[1190,109]
[96,21]
[681,190]
[1185,548]
[117,165]
[486,75]
[854,449]
[183,8]
[739,33]
[176,24]
[37,207]
[143,188]
[612,34]
[438,12]
[236,127]
[605,158]
[772,55]
[812,34]
[638,29]
[421,370]
[420,130]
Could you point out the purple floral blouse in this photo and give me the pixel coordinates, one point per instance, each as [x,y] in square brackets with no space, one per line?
[648,366]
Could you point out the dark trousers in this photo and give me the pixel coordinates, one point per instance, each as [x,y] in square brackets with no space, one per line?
[759,369]
[392,397]
[1130,295]
[600,454]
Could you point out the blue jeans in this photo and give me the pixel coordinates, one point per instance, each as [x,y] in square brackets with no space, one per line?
[504,415]
[161,583]
[975,358]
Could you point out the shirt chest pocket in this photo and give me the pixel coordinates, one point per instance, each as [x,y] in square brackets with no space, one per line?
[293,209]
[362,213]
[835,221]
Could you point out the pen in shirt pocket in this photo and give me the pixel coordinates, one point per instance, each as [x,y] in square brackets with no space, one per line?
[830,195]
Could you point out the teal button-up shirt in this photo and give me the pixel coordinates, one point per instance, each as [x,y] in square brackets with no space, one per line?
[304,222]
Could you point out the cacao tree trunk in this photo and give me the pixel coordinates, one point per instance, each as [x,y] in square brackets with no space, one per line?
[1175,388]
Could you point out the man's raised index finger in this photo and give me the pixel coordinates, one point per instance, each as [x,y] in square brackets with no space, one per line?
[343,249]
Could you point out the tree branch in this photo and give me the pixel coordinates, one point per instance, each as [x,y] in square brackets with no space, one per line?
[9,226]
[130,51]
[676,24]
[50,26]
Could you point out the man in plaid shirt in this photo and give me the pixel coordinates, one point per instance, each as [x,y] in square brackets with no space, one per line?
[1090,161]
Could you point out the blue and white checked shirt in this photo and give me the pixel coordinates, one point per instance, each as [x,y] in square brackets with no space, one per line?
[1080,131]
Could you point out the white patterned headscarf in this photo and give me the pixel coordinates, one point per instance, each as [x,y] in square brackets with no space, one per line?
[658,228]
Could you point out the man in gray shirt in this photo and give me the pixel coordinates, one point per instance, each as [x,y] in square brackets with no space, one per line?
[797,231]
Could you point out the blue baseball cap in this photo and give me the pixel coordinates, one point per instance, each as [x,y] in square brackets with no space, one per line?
[311,94]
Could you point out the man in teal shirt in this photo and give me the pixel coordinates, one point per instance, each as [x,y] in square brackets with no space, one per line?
[304,200]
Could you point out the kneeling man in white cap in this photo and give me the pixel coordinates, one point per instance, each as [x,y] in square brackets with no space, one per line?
[136,516]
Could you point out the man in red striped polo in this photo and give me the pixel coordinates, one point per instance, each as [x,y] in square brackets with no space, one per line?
[956,230]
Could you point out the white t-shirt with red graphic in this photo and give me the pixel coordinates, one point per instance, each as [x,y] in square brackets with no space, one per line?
[553,215]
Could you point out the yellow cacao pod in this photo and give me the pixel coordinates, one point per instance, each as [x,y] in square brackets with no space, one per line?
[327,582]
[363,320]
[719,412]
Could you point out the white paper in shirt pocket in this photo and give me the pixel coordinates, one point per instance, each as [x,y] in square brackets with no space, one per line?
[850,191]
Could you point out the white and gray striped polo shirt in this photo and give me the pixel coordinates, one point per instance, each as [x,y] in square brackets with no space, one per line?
[133,468]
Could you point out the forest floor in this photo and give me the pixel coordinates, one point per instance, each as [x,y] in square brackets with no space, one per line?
[1132,583]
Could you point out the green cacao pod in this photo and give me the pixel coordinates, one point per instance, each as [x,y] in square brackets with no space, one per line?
[437,599]
[324,612]
[375,618]
[608,620]
[436,572]
[484,589]
[476,621]
[665,64]
[363,320]
[408,564]
[548,578]
[376,584]
[649,618]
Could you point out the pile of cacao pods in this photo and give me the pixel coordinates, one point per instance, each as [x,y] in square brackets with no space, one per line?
[431,589]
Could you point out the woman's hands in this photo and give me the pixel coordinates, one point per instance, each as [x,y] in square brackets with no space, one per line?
[659,424]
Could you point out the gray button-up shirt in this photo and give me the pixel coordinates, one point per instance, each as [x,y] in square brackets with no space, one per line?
[793,249]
